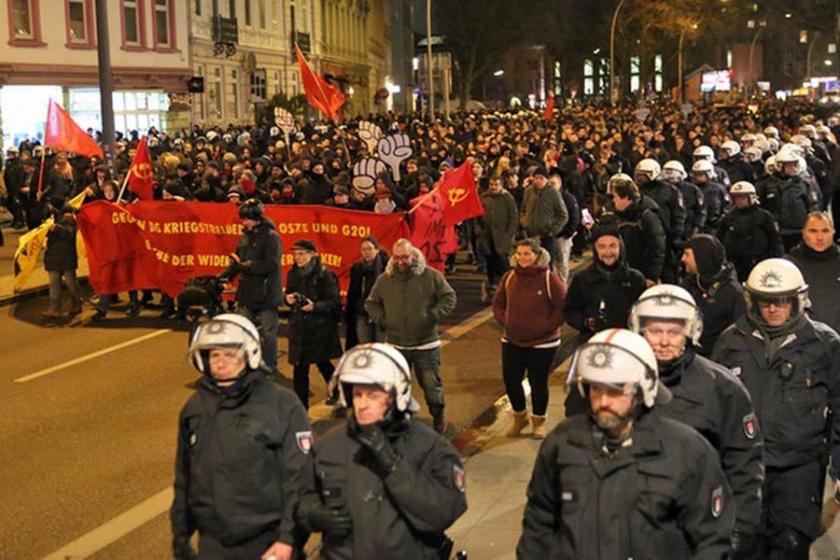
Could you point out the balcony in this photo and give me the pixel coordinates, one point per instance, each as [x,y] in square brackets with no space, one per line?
[225,30]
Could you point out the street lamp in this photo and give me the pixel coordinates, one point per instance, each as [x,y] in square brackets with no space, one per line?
[498,73]
[612,50]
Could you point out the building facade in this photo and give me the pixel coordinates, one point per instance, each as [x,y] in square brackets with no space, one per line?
[48,50]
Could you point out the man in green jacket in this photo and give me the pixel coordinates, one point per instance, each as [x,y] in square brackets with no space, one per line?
[543,214]
[407,302]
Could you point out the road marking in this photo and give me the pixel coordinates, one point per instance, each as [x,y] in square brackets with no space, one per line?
[92,542]
[91,356]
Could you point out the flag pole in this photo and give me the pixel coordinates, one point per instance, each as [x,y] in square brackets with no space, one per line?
[425,197]
[41,174]
[125,183]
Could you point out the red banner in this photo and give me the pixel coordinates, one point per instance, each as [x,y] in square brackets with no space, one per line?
[163,244]
[429,232]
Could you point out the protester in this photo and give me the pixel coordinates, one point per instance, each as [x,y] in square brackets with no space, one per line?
[543,214]
[363,274]
[60,259]
[496,230]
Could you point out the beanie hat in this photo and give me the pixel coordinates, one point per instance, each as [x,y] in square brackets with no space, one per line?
[602,230]
[305,245]
[709,254]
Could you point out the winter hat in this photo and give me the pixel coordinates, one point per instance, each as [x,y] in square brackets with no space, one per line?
[265,161]
[540,170]
[603,230]
[709,254]
[304,245]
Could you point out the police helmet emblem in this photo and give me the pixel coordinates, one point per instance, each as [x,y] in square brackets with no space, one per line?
[216,327]
[771,279]
[362,359]
[600,357]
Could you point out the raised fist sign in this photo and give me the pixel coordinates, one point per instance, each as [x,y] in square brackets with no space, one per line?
[393,149]
[285,121]
[370,134]
[365,172]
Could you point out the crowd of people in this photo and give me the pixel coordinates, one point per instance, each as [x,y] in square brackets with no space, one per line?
[702,412]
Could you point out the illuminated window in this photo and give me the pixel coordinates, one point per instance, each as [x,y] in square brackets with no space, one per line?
[588,79]
[657,70]
[635,73]
[558,79]
[24,23]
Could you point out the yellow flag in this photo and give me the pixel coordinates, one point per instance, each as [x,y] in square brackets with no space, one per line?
[32,243]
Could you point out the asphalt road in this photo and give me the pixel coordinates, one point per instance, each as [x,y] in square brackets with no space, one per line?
[90,412]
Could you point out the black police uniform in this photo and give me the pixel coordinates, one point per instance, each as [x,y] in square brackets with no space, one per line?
[673,215]
[695,208]
[242,457]
[720,299]
[663,495]
[398,516]
[738,169]
[793,379]
[716,201]
[822,274]
[643,237]
[795,202]
[749,235]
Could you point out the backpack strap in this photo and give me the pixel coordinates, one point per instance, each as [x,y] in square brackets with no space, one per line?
[548,284]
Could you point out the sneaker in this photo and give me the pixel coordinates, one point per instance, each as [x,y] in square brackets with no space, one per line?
[99,316]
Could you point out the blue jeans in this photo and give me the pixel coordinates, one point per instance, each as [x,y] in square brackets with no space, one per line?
[426,366]
[266,321]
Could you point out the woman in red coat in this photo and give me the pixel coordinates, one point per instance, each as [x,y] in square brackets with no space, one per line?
[529,305]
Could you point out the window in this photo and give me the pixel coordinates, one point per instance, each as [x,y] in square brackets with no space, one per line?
[558,79]
[162,20]
[24,23]
[248,12]
[261,8]
[657,69]
[79,27]
[588,80]
[635,73]
[234,97]
[277,86]
[133,25]
[604,76]
[198,7]
[258,86]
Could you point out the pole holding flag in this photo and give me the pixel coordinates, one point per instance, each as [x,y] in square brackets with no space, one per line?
[319,94]
[140,178]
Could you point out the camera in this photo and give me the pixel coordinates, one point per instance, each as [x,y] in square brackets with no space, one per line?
[299,301]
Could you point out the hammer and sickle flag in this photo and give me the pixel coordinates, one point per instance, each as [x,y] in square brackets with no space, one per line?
[460,195]
[141,177]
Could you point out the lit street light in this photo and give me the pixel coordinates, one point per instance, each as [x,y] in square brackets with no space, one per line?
[498,73]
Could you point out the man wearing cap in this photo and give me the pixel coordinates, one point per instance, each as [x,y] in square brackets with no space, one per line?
[543,214]
[243,452]
[257,264]
[382,485]
[622,481]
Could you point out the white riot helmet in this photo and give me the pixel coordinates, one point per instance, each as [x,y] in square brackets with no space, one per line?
[789,150]
[212,135]
[774,144]
[616,179]
[704,152]
[748,138]
[808,130]
[228,330]
[744,188]
[803,142]
[770,166]
[762,144]
[753,154]
[622,360]
[730,148]
[674,171]
[274,131]
[775,280]
[771,132]
[788,155]
[823,131]
[647,168]
[667,302]
[375,364]
[704,166]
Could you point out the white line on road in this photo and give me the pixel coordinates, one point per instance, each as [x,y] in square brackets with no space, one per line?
[85,358]
[118,527]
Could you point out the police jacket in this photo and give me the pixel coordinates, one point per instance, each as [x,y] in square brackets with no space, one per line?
[822,274]
[738,169]
[604,293]
[791,387]
[671,209]
[750,232]
[260,283]
[400,517]
[662,496]
[707,397]
[643,237]
[795,203]
[716,201]
[695,208]
[241,459]
[720,300]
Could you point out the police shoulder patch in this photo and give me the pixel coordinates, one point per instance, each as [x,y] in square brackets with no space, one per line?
[459,477]
[750,423]
[717,502]
[304,441]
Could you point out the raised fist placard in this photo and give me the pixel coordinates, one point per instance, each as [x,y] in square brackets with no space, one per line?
[393,149]
[370,134]
[365,172]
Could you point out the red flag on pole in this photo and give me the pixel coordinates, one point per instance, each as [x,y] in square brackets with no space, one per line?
[319,94]
[141,177]
[62,133]
[549,108]
[459,194]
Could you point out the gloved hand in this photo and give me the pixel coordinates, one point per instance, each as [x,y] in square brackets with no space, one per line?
[182,550]
[745,546]
[374,441]
[333,520]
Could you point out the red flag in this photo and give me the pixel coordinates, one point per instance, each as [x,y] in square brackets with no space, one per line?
[62,133]
[319,94]
[435,239]
[549,108]
[459,194]
[141,176]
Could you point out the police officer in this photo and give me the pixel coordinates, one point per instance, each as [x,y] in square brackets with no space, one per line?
[242,452]
[671,211]
[715,198]
[706,153]
[257,263]
[622,481]
[749,233]
[707,397]
[383,486]
[732,160]
[695,208]
[790,364]
[796,199]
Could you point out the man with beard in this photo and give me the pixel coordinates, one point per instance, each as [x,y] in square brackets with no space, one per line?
[712,282]
[600,297]
[622,481]
[790,364]
[708,398]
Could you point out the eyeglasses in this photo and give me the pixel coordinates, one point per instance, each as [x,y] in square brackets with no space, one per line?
[765,303]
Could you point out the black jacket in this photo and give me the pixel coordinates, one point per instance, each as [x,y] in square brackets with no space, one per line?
[60,254]
[790,389]
[671,209]
[393,518]
[822,274]
[362,278]
[643,236]
[795,202]
[716,201]
[260,281]
[313,336]
[695,208]
[573,209]
[738,169]
[241,460]
[664,496]
[720,300]
[749,235]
